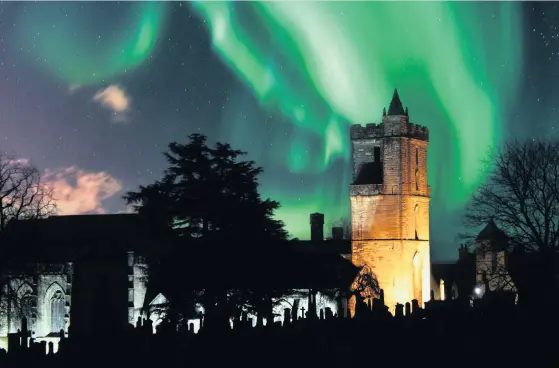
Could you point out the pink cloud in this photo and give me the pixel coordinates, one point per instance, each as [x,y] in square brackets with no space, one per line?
[79,192]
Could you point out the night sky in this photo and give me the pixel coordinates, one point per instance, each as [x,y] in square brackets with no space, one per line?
[91,93]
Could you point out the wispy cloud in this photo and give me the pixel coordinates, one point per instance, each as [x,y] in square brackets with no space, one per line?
[73,88]
[115,99]
[79,192]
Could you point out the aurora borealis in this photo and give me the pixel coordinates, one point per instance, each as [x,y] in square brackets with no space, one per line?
[281,80]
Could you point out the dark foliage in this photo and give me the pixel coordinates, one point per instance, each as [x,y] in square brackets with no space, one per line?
[209,193]
[208,206]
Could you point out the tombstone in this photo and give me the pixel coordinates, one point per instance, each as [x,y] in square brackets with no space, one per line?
[286,316]
[328,313]
[321,314]
[191,328]
[24,333]
[148,326]
[51,348]
[415,306]
[399,310]
[139,322]
[433,295]
[381,296]
[14,341]
[43,347]
[408,309]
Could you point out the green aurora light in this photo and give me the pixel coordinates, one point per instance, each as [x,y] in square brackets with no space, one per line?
[61,48]
[326,65]
[453,62]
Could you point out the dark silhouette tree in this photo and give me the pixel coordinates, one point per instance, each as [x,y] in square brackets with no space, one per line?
[22,193]
[521,196]
[23,196]
[208,193]
[208,205]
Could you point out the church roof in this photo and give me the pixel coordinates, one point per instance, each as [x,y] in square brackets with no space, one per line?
[495,236]
[396,107]
[63,237]
[330,246]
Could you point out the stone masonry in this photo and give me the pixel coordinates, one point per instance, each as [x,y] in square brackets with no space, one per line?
[390,204]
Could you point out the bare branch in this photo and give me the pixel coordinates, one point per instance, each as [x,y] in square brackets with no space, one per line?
[521,195]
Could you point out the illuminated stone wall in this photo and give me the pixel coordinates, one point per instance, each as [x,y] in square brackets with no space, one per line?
[491,269]
[390,220]
[44,290]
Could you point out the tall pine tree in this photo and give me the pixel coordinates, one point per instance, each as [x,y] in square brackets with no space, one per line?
[209,193]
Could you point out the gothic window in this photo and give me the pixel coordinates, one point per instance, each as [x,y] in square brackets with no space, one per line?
[416,157]
[26,304]
[416,220]
[57,312]
[494,261]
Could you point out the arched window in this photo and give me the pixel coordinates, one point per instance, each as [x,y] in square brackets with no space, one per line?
[416,220]
[57,312]
[26,304]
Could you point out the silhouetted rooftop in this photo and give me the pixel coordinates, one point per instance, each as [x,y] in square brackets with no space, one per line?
[330,246]
[65,236]
[496,237]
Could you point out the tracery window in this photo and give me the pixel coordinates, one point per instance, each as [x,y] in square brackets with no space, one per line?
[416,220]
[57,312]
[26,304]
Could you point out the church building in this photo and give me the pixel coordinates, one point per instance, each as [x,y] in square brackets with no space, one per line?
[72,267]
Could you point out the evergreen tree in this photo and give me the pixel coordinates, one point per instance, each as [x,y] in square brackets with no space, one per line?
[209,193]
[208,205]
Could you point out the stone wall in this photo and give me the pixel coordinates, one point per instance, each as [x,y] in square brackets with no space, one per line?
[401,266]
[45,284]
[491,269]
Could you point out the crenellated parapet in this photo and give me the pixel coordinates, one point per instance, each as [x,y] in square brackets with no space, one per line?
[392,126]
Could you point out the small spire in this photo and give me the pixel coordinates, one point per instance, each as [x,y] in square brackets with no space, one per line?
[384,111]
[396,107]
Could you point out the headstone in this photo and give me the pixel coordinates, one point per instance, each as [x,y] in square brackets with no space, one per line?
[43,347]
[286,316]
[415,306]
[399,310]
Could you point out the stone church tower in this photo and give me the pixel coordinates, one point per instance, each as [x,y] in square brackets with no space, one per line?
[390,204]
